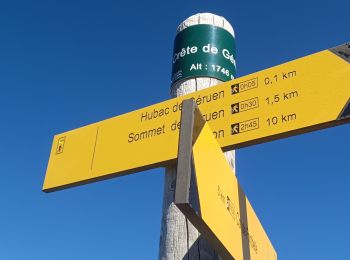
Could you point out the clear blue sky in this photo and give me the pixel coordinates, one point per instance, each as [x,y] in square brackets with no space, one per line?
[64,64]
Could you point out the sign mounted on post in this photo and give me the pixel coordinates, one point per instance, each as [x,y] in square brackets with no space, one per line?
[209,195]
[303,95]
[204,50]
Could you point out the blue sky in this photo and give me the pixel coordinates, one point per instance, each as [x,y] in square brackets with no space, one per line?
[64,64]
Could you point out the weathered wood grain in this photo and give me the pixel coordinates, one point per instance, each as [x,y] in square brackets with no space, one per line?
[179,239]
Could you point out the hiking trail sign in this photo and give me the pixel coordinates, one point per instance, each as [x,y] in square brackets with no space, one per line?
[296,97]
[209,195]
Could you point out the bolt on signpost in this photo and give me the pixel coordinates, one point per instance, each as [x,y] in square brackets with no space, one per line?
[299,96]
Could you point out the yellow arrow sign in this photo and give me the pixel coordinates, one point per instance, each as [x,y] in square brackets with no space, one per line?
[209,195]
[296,97]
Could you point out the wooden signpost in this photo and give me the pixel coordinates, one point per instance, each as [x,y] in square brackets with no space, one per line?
[179,239]
[299,96]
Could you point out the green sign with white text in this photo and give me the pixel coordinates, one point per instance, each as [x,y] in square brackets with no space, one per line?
[204,51]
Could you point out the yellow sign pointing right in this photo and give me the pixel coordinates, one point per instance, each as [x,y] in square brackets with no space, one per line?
[305,94]
[209,195]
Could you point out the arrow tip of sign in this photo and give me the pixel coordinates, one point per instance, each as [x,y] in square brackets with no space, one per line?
[345,113]
[343,51]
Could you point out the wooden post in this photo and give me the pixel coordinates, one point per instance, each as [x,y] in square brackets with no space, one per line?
[179,240]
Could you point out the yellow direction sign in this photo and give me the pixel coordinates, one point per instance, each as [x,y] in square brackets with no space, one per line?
[209,195]
[296,97]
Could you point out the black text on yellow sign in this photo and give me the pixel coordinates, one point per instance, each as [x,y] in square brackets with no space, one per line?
[306,94]
[209,195]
